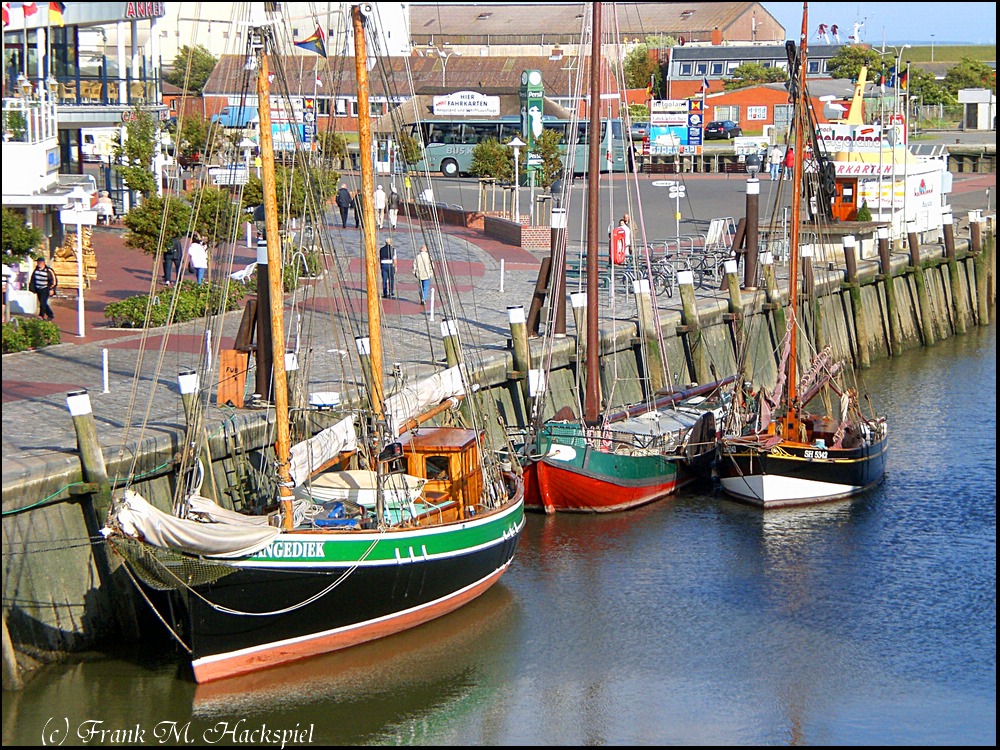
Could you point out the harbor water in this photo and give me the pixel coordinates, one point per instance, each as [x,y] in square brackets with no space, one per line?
[691,621]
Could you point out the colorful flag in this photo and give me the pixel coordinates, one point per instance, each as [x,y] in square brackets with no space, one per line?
[316,42]
[904,79]
[649,88]
[705,85]
[30,9]
[6,14]
[56,13]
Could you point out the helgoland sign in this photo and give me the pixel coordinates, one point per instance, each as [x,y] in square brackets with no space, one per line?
[464,103]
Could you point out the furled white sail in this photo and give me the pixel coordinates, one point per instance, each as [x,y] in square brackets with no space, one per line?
[222,534]
[310,455]
[414,399]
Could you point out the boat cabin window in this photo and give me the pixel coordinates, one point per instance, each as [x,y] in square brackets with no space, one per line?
[437,468]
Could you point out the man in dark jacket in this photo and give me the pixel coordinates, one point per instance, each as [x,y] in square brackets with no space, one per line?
[387,260]
[172,255]
[358,203]
[43,283]
[343,203]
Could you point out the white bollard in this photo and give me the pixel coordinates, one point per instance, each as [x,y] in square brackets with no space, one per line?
[501,275]
[249,231]
[107,381]
[432,304]
[208,350]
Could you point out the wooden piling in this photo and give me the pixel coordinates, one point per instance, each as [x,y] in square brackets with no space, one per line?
[923,300]
[650,333]
[980,265]
[521,353]
[891,311]
[857,308]
[690,330]
[959,308]
[735,316]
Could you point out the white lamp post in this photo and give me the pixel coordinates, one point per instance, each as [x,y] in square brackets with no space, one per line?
[517,144]
[79,213]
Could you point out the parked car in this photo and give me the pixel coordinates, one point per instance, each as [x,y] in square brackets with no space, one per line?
[639,130]
[722,129]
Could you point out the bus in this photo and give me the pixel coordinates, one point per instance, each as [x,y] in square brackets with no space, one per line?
[448,144]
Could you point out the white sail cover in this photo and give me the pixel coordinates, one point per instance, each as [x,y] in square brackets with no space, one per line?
[415,399]
[309,455]
[223,534]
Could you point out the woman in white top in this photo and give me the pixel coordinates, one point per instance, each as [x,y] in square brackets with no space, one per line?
[198,258]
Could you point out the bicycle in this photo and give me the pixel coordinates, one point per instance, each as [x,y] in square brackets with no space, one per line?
[665,273]
[710,266]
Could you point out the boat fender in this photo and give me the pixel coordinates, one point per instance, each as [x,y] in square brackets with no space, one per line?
[561,453]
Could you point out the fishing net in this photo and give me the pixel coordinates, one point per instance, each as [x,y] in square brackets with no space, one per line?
[166,570]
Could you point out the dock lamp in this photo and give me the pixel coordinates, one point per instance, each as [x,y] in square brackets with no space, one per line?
[517,144]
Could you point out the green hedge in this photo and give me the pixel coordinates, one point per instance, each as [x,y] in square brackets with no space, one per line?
[193,301]
[22,334]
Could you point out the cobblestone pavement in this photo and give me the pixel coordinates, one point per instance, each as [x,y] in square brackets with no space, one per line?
[36,422]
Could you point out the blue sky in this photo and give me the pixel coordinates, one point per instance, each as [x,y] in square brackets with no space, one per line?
[913,22]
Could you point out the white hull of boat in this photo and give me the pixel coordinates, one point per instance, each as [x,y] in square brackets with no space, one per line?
[775,491]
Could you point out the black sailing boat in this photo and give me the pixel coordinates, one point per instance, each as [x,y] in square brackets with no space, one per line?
[352,554]
[783,454]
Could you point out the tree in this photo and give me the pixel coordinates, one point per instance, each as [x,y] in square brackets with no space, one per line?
[216,217]
[19,240]
[640,68]
[849,60]
[134,157]
[547,146]
[754,74]
[970,74]
[333,145]
[192,67]
[146,223]
[196,136]
[864,213]
[924,86]
[490,158]
[409,147]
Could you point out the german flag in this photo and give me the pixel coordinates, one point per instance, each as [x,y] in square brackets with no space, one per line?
[56,14]
[904,79]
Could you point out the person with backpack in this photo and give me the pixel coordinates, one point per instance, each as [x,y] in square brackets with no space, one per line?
[393,207]
[43,283]
[344,203]
[387,260]
[172,255]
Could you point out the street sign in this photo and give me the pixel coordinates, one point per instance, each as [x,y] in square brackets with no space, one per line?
[232,175]
[663,183]
[74,215]
[534,160]
[678,192]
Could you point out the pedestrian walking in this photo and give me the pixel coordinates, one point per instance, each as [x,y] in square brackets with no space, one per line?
[774,162]
[393,207]
[380,202]
[44,284]
[344,203]
[198,258]
[424,272]
[789,162]
[172,255]
[387,260]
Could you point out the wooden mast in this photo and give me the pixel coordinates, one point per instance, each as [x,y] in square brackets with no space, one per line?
[592,401]
[282,442]
[791,426]
[371,259]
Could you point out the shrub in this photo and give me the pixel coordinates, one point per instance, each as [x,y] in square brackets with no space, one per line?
[193,301]
[864,214]
[22,334]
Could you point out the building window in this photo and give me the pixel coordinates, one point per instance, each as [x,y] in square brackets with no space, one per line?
[354,108]
[757,113]
[323,106]
[701,68]
[727,112]
[340,108]
[685,69]
[812,66]
[731,66]
[717,69]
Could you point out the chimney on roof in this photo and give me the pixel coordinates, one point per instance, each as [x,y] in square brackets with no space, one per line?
[716,37]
